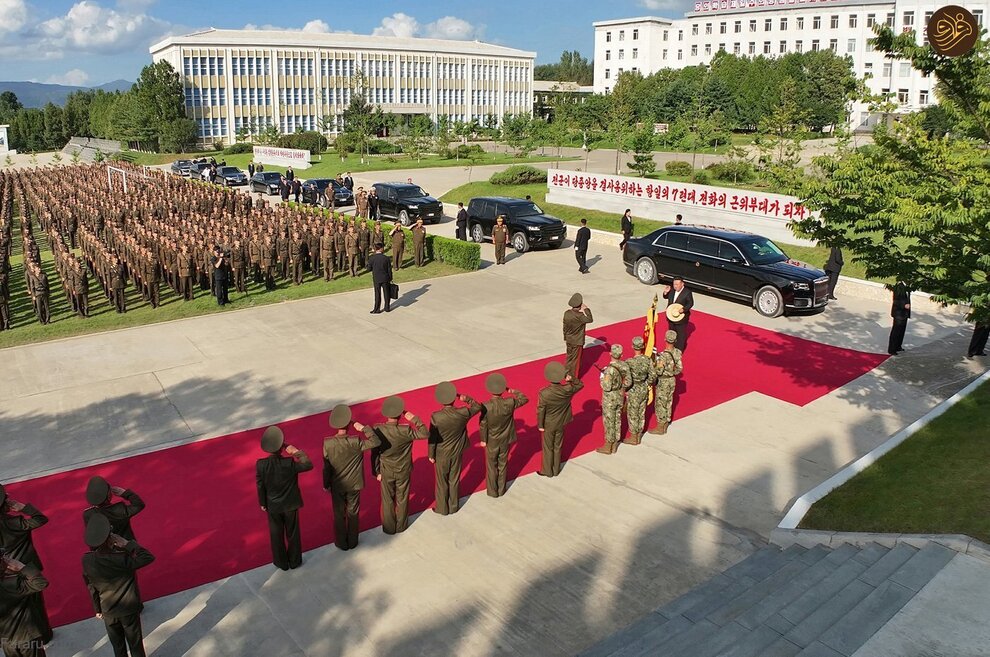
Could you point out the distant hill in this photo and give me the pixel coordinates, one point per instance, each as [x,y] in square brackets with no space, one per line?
[36,94]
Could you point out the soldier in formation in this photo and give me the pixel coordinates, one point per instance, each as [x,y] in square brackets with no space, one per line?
[576,318]
[668,367]
[277,480]
[553,413]
[392,461]
[642,376]
[448,437]
[615,380]
[498,430]
[343,474]
[419,242]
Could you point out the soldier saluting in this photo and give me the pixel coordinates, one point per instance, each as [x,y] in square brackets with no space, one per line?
[277,478]
[498,430]
[576,317]
[448,436]
[392,462]
[553,413]
[18,520]
[100,494]
[20,628]
[343,475]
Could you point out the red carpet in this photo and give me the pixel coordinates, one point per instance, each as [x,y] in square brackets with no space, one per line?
[203,522]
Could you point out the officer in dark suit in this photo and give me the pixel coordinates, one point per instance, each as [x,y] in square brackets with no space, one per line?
[381,277]
[277,477]
[17,521]
[448,436]
[20,629]
[900,310]
[832,268]
[110,572]
[676,292]
[581,246]
[99,495]
[392,462]
[343,475]
[498,430]
[461,222]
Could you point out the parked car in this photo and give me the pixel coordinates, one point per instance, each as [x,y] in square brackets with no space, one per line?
[196,170]
[735,264]
[406,203]
[266,182]
[314,189]
[529,226]
[231,176]
[182,167]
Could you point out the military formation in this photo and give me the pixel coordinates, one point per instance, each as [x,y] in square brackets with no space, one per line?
[167,231]
[108,569]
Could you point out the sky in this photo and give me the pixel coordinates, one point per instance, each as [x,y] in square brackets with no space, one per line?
[90,42]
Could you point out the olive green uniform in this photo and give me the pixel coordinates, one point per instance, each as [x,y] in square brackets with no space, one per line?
[615,382]
[448,436]
[498,432]
[392,461]
[553,412]
[343,477]
[419,244]
[668,366]
[500,234]
[642,375]
[574,332]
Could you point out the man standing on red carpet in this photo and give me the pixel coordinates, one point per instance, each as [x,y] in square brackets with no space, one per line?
[100,494]
[448,436]
[575,319]
[343,475]
[667,367]
[553,413]
[20,629]
[498,430]
[680,301]
[277,477]
[17,522]
[392,462]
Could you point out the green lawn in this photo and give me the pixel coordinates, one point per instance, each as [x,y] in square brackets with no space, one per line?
[26,329]
[813,255]
[754,186]
[936,482]
[330,165]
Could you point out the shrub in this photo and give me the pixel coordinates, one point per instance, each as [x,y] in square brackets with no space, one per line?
[237,149]
[462,151]
[382,147]
[307,140]
[463,255]
[218,145]
[519,174]
[678,168]
[700,177]
[732,171]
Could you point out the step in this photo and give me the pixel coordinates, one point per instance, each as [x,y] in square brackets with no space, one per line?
[652,621]
[713,645]
[646,643]
[676,644]
[825,616]
[818,649]
[923,566]
[754,644]
[694,596]
[797,611]
[888,564]
[753,562]
[871,553]
[848,634]
[781,648]
[757,593]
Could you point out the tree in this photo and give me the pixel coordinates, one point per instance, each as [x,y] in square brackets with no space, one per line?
[417,131]
[178,135]
[9,105]
[780,136]
[54,136]
[915,207]
[444,135]
[572,67]
[76,114]
[159,89]
[643,143]
[518,131]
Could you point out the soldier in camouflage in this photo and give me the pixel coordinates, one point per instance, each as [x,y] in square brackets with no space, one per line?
[642,375]
[615,381]
[667,367]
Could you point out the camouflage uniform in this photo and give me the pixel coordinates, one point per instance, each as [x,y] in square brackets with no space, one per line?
[642,376]
[668,366]
[615,381]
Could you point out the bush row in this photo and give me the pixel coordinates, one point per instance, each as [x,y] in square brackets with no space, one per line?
[519,174]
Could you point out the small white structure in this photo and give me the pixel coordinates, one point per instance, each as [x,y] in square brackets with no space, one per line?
[5,148]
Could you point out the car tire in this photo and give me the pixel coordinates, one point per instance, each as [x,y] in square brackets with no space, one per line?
[646,271]
[404,218]
[477,233]
[769,302]
[520,243]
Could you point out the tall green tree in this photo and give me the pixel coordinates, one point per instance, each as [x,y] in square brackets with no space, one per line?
[643,143]
[159,89]
[572,67]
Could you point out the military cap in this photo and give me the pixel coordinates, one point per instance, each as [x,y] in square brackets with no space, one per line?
[445,393]
[97,490]
[670,336]
[272,440]
[3,495]
[340,416]
[554,372]
[97,530]
[576,300]
[495,383]
[616,351]
[393,407]
[637,343]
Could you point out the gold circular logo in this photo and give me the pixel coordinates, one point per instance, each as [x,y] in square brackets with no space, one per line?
[953,31]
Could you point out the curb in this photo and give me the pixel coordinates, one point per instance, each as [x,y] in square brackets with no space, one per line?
[809,538]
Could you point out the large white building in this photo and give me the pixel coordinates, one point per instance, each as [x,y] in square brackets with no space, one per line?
[773,28]
[236,79]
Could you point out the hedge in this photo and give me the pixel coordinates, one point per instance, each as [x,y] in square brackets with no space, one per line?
[678,168]
[519,174]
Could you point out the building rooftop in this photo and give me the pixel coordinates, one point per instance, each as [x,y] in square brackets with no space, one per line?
[639,19]
[342,40]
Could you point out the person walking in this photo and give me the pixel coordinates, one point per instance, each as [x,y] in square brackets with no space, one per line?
[277,480]
[581,241]
[392,461]
[498,430]
[381,278]
[461,222]
[642,376]
[626,225]
[343,475]
[448,436]
[500,235]
[900,310]
[576,318]
[832,268]
[667,367]
[553,413]
[615,381]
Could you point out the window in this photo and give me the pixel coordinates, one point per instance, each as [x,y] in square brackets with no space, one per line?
[766,47]
[635,35]
[869,45]
[665,35]
[708,28]
[800,22]
[890,20]
[735,48]
[853,20]
[680,35]
[851,46]
[737,27]
[694,30]
[608,37]
[835,22]
[923,97]
[783,47]
[908,21]
[752,47]
[816,23]
[871,20]
[798,46]
[768,25]
[721,47]
[868,66]
[608,75]
[680,55]
[664,53]
[902,96]
[694,50]
[608,55]
[635,53]
[924,27]
[833,45]
[978,15]
[622,54]
[752,25]
[783,23]
[708,48]
[888,68]
[721,27]
[622,35]
[905,70]
[814,45]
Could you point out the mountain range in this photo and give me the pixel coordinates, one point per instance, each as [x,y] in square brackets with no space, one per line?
[37,94]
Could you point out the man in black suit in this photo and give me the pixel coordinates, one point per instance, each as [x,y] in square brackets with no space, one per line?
[900,310]
[677,293]
[277,477]
[110,572]
[17,522]
[381,277]
[581,246]
[348,181]
[832,268]
[461,222]
[20,627]
[290,175]
[627,228]
[99,494]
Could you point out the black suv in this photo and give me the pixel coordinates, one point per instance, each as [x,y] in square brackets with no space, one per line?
[405,203]
[735,264]
[529,226]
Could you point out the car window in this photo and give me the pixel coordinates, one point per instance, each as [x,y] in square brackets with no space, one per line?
[411,192]
[661,240]
[703,246]
[677,240]
[761,251]
[501,209]
[489,212]
[526,210]
[728,251]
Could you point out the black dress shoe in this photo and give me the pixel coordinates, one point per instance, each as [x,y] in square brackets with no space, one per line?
[834,298]
[375,312]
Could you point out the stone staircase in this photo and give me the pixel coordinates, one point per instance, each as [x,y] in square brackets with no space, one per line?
[817,602]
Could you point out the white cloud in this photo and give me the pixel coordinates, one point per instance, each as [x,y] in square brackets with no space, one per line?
[13,15]
[661,4]
[448,27]
[91,28]
[76,78]
[316,26]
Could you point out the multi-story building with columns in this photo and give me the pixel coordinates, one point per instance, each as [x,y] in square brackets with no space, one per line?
[772,28]
[251,79]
